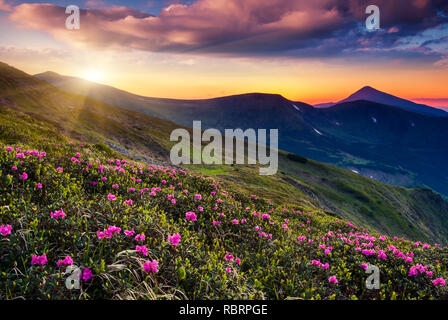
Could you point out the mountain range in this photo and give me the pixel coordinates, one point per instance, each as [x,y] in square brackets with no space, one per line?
[372,133]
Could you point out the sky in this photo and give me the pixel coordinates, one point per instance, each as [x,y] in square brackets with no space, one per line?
[311,51]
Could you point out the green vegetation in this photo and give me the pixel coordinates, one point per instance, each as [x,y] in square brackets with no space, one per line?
[240,246]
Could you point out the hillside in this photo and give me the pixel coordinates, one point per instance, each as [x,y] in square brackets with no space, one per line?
[140,231]
[415,213]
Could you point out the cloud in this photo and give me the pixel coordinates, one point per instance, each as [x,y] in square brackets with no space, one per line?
[95,4]
[235,27]
[4,6]
[33,53]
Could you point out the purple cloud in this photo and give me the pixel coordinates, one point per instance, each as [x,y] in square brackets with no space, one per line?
[250,27]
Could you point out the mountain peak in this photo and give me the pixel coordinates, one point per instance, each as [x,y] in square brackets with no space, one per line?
[373,95]
[368,89]
[49,73]
[365,92]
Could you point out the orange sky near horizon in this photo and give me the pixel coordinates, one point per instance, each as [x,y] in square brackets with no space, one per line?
[201,75]
[182,77]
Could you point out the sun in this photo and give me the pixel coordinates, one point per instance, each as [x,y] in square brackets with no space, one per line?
[93,75]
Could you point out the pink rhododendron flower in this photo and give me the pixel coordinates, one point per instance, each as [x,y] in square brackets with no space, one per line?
[111,197]
[67,261]
[413,271]
[140,237]
[333,279]
[129,233]
[5,230]
[41,260]
[316,263]
[191,216]
[382,254]
[100,234]
[228,257]
[151,266]
[174,239]
[58,214]
[439,282]
[364,266]
[142,249]
[86,274]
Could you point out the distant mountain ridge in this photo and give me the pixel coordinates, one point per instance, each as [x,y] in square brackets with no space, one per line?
[393,144]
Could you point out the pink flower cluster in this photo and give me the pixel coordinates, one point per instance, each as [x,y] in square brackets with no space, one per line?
[41,260]
[439,282]
[86,274]
[414,270]
[320,264]
[151,266]
[129,233]
[333,279]
[5,230]
[108,232]
[191,216]
[67,261]
[128,202]
[265,235]
[142,249]
[58,214]
[174,239]
[111,197]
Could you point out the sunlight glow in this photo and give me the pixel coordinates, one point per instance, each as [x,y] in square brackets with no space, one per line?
[93,75]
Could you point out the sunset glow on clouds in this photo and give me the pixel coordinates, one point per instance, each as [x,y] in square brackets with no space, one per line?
[312,51]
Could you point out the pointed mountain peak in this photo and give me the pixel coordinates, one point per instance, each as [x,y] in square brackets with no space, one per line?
[368,89]
[367,93]
[373,95]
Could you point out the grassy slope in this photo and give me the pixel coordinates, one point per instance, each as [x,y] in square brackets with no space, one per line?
[415,213]
[278,266]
